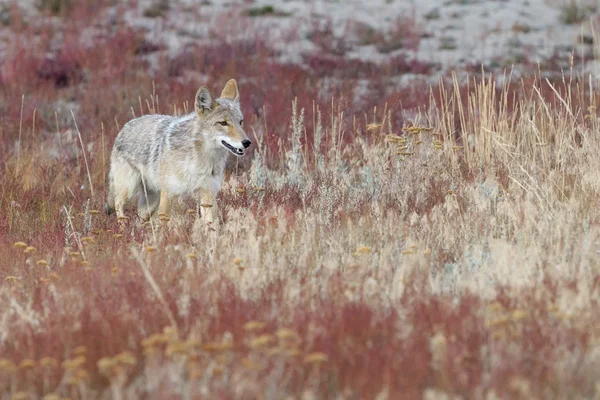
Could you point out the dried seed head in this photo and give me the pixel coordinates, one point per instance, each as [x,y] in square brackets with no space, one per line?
[316,358]
[251,326]
[262,341]
[27,364]
[519,315]
[170,333]
[82,375]
[106,365]
[48,362]
[78,377]
[554,308]
[73,363]
[396,139]
[416,129]
[215,347]
[191,343]
[498,322]
[7,365]
[154,340]
[20,245]
[218,370]
[274,351]
[150,350]
[29,250]
[293,352]
[495,306]
[287,334]
[363,250]
[237,261]
[249,364]
[177,347]
[126,358]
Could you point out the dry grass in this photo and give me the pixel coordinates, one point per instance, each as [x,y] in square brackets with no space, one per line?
[446,250]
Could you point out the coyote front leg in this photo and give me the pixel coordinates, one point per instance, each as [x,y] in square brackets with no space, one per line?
[164,207]
[208,205]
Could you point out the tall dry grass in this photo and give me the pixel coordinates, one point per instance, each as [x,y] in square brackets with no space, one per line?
[453,256]
[419,243]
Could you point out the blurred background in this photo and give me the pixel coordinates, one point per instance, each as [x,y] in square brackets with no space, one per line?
[108,60]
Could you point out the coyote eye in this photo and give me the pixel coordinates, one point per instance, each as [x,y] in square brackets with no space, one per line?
[242,122]
[223,123]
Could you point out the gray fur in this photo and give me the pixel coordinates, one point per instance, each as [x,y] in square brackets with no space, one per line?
[157,157]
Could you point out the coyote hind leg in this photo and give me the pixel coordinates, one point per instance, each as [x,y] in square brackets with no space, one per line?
[109,207]
[124,182]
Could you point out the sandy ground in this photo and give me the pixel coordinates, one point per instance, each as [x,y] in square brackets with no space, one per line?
[449,33]
[452,32]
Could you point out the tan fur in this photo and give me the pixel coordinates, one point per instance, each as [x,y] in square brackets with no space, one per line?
[230,91]
[157,157]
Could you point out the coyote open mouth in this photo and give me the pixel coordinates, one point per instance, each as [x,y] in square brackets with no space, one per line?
[234,150]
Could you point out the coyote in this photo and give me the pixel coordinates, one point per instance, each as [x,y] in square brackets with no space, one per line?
[158,157]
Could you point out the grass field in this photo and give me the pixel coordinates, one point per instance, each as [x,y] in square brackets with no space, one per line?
[379,242]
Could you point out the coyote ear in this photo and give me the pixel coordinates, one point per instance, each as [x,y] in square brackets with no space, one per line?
[204,101]
[230,91]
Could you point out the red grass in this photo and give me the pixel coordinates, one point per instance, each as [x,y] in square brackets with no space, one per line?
[364,345]
[109,308]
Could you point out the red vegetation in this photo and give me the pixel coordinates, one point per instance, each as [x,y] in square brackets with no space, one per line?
[82,284]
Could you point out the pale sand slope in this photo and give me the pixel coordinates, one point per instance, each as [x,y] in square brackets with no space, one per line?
[453,32]
[495,33]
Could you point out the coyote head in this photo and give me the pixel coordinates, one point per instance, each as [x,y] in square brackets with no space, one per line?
[222,119]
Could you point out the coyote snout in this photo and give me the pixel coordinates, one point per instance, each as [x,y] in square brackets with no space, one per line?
[158,157]
[235,149]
